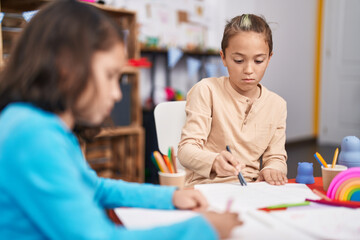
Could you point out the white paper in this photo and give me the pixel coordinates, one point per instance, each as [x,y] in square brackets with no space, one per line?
[139,218]
[257,224]
[254,195]
[324,223]
[307,222]
[260,225]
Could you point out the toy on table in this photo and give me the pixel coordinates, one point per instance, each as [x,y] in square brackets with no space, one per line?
[350,152]
[346,186]
[305,173]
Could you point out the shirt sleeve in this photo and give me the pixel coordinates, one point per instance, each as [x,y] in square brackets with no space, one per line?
[275,154]
[196,131]
[194,228]
[47,184]
[112,193]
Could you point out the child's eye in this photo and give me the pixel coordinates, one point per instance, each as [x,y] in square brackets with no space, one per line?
[110,76]
[259,61]
[238,61]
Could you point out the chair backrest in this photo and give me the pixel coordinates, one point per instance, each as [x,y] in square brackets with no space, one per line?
[170,118]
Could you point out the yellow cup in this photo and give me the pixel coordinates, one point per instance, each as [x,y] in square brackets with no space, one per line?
[172,179]
[329,173]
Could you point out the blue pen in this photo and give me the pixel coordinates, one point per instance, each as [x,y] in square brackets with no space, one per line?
[240,176]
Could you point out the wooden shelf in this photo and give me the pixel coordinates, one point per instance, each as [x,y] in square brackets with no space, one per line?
[119,131]
[187,52]
[118,153]
[121,149]
[130,70]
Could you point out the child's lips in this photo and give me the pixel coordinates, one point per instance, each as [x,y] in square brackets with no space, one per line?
[248,79]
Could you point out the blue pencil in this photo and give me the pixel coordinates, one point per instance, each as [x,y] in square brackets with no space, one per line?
[240,176]
[318,160]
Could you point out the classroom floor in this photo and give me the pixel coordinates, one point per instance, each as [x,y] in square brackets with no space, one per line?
[304,152]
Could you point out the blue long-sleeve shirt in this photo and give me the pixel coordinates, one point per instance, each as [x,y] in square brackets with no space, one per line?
[47,190]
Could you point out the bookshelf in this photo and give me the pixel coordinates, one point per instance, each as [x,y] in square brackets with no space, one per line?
[116,151]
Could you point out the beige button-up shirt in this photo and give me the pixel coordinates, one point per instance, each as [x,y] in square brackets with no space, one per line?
[217,116]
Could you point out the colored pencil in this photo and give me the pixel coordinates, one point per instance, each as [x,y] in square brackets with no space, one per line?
[321,159]
[154,162]
[320,194]
[287,205]
[349,204]
[168,164]
[335,157]
[229,204]
[161,162]
[173,158]
[316,157]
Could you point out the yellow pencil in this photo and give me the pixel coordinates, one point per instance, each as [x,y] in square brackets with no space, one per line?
[322,160]
[161,162]
[158,163]
[335,157]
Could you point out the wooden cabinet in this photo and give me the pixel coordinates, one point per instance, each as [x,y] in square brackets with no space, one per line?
[117,151]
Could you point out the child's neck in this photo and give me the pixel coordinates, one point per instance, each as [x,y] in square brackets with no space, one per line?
[68,119]
[253,94]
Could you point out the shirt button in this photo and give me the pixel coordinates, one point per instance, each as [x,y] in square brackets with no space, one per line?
[247,100]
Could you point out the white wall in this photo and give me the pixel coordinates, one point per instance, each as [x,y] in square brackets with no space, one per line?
[340,84]
[291,70]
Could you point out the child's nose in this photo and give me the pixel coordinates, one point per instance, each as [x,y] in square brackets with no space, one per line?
[116,92]
[248,68]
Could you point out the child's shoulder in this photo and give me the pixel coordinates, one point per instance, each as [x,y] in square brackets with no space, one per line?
[272,96]
[210,83]
[28,121]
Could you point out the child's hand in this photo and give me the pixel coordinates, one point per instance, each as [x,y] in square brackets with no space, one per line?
[223,222]
[272,176]
[189,199]
[225,164]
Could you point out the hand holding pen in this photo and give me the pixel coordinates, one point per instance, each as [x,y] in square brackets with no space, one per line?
[240,176]
[225,164]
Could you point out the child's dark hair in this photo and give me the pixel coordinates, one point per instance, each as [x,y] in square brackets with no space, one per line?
[51,63]
[245,23]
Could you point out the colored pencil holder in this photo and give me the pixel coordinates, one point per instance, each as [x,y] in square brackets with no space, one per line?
[329,173]
[172,179]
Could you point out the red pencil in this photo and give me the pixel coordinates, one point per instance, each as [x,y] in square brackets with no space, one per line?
[168,164]
[349,204]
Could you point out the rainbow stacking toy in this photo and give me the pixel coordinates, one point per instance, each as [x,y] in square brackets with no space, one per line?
[346,186]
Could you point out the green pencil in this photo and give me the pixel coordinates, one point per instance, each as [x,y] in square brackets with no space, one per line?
[286,205]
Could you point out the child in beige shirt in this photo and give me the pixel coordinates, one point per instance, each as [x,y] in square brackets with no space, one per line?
[237,111]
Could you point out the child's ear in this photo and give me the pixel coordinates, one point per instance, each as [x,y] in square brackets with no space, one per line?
[270,55]
[223,57]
